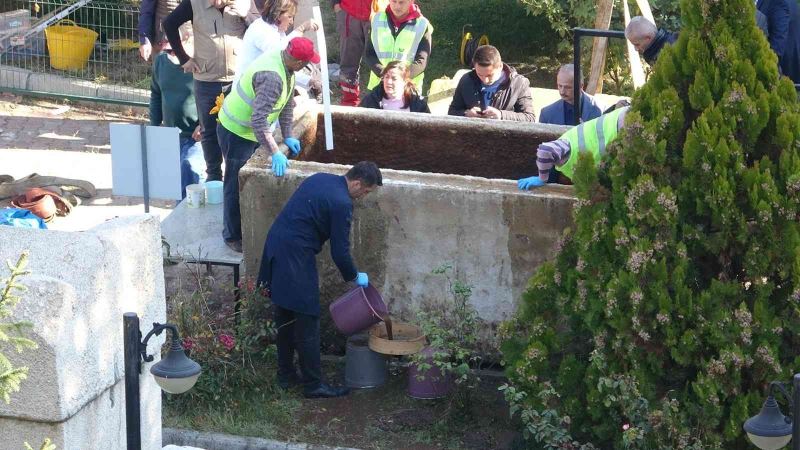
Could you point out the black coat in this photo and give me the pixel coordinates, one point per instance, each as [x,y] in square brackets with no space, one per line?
[513,99]
[663,37]
[375,98]
[319,210]
[783,18]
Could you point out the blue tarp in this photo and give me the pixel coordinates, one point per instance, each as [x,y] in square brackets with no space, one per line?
[21,218]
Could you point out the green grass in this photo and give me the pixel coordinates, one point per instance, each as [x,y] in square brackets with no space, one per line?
[526,42]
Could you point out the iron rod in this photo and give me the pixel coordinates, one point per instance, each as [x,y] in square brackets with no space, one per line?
[131,343]
[578,33]
[145,174]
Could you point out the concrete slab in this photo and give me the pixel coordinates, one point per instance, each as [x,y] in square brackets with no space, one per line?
[195,235]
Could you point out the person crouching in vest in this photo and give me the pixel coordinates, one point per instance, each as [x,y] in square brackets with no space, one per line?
[399,33]
[260,100]
[592,136]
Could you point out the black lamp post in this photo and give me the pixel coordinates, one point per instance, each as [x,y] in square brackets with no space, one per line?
[770,429]
[176,373]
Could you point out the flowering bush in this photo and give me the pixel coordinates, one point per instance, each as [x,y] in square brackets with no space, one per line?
[674,300]
[234,349]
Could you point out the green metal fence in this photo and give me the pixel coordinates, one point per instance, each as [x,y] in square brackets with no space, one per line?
[80,49]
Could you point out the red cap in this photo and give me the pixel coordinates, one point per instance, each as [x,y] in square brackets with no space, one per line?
[302,49]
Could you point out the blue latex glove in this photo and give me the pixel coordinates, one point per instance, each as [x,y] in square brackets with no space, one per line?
[279,163]
[362,279]
[531,182]
[294,145]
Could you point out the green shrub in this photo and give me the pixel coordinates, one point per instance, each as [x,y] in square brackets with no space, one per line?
[676,297]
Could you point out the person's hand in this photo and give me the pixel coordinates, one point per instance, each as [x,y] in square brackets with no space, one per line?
[279,163]
[531,182]
[491,113]
[145,50]
[238,8]
[337,8]
[293,144]
[190,66]
[309,24]
[473,113]
[362,279]
[197,135]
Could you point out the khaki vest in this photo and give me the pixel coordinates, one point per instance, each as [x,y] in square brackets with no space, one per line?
[217,38]
[237,109]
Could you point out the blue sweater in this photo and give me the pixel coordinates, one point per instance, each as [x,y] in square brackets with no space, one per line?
[320,209]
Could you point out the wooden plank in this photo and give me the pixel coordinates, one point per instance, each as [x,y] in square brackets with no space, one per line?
[644,8]
[602,22]
[637,71]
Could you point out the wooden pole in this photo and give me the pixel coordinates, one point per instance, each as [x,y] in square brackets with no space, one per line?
[644,7]
[637,71]
[602,22]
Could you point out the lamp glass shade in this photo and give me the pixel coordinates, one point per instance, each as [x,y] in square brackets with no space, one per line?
[176,373]
[770,429]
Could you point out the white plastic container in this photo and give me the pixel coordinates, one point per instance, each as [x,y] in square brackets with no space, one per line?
[195,196]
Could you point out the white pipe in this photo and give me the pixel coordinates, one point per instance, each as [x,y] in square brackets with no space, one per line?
[326,87]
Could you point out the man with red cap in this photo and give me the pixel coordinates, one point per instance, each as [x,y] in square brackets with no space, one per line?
[258,102]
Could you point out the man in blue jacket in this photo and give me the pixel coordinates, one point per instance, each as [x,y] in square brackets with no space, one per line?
[320,209]
[562,112]
[784,34]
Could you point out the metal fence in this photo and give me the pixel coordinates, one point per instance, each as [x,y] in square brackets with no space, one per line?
[80,49]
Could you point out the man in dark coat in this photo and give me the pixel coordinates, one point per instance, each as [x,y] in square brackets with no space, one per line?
[492,90]
[320,209]
[784,34]
[562,112]
[647,39]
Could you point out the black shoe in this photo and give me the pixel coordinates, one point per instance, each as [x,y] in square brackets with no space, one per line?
[234,245]
[327,391]
[288,383]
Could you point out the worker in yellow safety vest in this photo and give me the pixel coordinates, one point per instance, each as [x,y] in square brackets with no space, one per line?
[261,99]
[592,136]
[399,33]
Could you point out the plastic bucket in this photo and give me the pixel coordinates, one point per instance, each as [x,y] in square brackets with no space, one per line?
[363,368]
[358,310]
[428,384]
[214,192]
[69,45]
[195,196]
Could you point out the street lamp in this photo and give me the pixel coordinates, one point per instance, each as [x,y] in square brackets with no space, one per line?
[770,429]
[176,373]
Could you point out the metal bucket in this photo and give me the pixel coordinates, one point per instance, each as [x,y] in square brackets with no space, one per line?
[363,367]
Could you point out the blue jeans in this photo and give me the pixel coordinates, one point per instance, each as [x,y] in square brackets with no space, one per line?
[236,151]
[205,96]
[193,165]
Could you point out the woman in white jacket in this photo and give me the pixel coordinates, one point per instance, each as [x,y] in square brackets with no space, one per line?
[268,33]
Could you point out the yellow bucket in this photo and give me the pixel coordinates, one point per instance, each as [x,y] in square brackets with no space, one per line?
[69,45]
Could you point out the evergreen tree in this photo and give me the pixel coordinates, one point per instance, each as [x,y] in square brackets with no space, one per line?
[675,299]
[12,333]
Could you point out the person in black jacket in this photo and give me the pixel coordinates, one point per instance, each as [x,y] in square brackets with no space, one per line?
[396,91]
[783,17]
[320,209]
[647,39]
[492,90]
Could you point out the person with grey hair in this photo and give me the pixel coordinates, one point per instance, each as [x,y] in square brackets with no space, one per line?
[647,39]
[562,112]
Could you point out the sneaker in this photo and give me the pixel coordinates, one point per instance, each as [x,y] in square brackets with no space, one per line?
[327,391]
[234,245]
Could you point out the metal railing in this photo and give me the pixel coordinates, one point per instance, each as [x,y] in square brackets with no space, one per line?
[36,58]
[576,59]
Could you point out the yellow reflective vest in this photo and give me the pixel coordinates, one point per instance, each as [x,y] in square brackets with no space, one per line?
[403,48]
[237,109]
[592,136]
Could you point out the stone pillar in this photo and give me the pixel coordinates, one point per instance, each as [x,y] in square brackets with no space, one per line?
[79,286]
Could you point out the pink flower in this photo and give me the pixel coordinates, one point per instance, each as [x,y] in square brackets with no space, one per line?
[626,427]
[227,341]
[187,343]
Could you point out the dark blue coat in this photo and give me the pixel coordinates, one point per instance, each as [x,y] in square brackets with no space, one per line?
[784,34]
[663,37]
[554,112]
[319,210]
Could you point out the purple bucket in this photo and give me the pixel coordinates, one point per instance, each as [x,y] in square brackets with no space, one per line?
[358,310]
[428,384]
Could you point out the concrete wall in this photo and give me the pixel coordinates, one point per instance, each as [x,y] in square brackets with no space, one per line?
[79,286]
[493,234]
